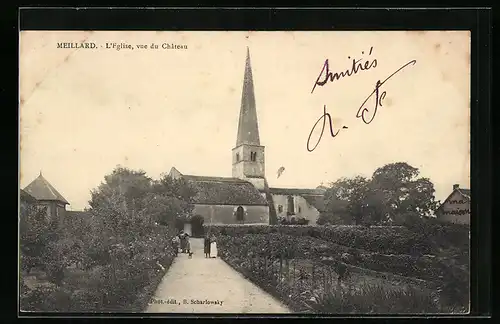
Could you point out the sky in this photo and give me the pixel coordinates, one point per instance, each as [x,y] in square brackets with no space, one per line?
[85,111]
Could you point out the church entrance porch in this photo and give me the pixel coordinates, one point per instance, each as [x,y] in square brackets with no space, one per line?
[193,227]
[187,228]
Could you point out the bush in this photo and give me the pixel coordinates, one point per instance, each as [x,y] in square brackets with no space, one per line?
[387,240]
[46,299]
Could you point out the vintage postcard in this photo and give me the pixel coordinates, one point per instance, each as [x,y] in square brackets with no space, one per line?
[244,172]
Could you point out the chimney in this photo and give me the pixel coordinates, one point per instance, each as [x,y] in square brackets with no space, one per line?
[455,186]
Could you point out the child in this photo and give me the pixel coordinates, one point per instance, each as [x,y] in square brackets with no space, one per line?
[175,244]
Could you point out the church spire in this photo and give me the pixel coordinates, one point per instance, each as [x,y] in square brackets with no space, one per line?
[248,128]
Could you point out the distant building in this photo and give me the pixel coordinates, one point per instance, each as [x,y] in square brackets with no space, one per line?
[225,200]
[456,208]
[245,198]
[47,196]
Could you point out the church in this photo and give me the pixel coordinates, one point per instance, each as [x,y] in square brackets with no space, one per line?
[246,198]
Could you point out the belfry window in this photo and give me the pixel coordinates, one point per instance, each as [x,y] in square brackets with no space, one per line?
[253,156]
[237,157]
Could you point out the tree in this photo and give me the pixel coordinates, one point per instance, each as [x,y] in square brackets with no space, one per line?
[400,192]
[178,195]
[36,232]
[346,199]
[131,187]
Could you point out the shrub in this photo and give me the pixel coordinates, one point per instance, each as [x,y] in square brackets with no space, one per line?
[46,299]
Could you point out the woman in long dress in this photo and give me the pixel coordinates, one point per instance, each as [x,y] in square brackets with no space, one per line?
[206,246]
[213,247]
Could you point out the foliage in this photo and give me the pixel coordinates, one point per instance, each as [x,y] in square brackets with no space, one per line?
[446,270]
[403,192]
[110,257]
[393,192]
[389,240]
[270,261]
[293,221]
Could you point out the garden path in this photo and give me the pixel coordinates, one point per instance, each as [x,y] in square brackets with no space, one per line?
[200,279]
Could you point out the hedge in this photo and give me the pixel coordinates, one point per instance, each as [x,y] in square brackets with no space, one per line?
[386,240]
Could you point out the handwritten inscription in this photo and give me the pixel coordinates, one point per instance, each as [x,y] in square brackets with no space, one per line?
[355,68]
[366,114]
[379,97]
[460,206]
[330,124]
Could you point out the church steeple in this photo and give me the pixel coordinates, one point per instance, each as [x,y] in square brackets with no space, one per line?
[248,154]
[248,128]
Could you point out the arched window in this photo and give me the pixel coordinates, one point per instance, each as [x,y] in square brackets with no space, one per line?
[237,157]
[253,156]
[240,214]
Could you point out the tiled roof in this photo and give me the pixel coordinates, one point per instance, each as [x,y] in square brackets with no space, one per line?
[41,189]
[296,191]
[224,191]
[216,179]
[465,192]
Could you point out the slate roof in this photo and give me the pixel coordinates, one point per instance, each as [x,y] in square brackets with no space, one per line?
[248,126]
[41,189]
[224,191]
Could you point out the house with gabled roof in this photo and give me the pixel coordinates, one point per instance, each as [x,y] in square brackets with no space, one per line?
[246,198]
[47,196]
[455,208]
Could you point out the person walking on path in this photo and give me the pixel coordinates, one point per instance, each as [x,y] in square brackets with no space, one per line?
[206,246]
[213,246]
[175,244]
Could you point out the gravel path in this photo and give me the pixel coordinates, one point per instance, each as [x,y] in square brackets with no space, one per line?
[201,285]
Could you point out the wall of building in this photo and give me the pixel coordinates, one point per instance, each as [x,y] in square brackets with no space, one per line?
[301,208]
[55,210]
[246,166]
[258,183]
[225,214]
[455,210]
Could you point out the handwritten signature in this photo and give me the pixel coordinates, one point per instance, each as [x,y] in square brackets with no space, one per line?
[362,111]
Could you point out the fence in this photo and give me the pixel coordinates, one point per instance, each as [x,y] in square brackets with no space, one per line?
[293,280]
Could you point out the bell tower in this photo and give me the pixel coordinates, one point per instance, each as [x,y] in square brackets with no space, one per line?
[248,154]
